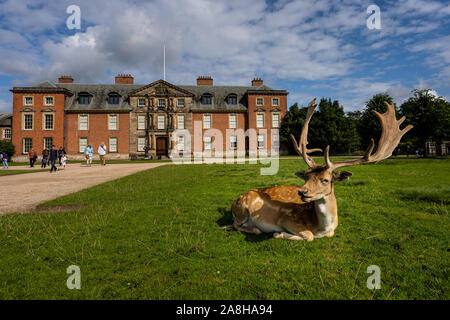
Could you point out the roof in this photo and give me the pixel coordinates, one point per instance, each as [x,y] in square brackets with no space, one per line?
[5,119]
[100,92]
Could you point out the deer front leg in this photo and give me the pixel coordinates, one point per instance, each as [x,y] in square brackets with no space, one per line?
[296,231]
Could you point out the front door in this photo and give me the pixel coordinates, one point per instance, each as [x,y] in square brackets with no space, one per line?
[161,146]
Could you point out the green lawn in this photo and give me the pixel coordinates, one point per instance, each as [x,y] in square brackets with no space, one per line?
[9,172]
[157,235]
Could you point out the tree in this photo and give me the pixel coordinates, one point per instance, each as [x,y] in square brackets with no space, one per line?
[8,147]
[430,116]
[368,125]
[329,126]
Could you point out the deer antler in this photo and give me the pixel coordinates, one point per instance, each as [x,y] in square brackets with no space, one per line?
[390,137]
[302,150]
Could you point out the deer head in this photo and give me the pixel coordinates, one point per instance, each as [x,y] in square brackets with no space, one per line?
[319,179]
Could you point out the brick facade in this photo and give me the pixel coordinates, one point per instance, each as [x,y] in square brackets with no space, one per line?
[143,120]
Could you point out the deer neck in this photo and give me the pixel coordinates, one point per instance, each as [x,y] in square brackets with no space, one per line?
[326,211]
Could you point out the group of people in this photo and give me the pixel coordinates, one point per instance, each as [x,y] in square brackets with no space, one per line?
[49,157]
[89,154]
[4,158]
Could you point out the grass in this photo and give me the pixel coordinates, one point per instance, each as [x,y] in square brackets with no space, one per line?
[157,235]
[9,172]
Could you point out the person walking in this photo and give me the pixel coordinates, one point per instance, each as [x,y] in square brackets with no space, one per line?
[63,162]
[89,153]
[32,157]
[61,151]
[53,156]
[4,157]
[44,158]
[102,153]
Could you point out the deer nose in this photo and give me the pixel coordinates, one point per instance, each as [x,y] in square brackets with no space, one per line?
[302,192]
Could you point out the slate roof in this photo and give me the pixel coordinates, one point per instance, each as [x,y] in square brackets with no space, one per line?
[99,96]
[5,119]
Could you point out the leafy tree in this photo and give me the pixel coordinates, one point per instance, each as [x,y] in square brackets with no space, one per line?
[368,125]
[328,126]
[430,116]
[8,147]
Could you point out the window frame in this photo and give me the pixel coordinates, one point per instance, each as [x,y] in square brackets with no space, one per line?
[232,96]
[263,140]
[113,96]
[231,142]
[111,150]
[45,101]
[141,105]
[5,136]
[44,144]
[111,115]
[79,121]
[277,145]
[140,116]
[178,102]
[263,120]
[180,145]
[25,101]
[79,144]
[138,144]
[235,122]
[278,102]
[24,121]
[278,120]
[84,95]
[207,96]
[262,101]
[178,121]
[210,120]
[163,105]
[159,116]
[23,144]
[209,143]
[44,120]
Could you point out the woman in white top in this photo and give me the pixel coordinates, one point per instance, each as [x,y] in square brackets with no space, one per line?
[102,152]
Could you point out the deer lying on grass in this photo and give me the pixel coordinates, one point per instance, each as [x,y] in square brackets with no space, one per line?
[310,211]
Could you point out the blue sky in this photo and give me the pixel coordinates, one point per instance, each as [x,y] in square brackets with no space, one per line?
[310,48]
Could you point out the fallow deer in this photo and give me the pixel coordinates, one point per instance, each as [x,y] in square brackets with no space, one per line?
[310,211]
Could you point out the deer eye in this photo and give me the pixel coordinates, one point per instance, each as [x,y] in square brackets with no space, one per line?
[325,181]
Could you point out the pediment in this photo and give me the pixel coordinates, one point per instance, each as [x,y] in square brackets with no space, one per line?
[161,88]
[27,109]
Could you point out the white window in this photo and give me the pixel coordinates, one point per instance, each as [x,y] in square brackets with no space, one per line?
[180,102]
[180,143]
[28,101]
[233,121]
[141,122]
[259,101]
[82,143]
[161,122]
[207,143]
[83,122]
[141,144]
[261,141]
[275,102]
[7,133]
[49,121]
[112,144]
[141,102]
[260,120]
[275,120]
[161,102]
[206,121]
[28,121]
[48,142]
[180,122]
[27,144]
[113,122]
[48,101]
[233,142]
[275,141]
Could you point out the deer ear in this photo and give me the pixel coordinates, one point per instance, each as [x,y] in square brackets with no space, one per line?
[342,175]
[301,175]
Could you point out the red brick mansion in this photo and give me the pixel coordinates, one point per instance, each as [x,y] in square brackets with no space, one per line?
[136,120]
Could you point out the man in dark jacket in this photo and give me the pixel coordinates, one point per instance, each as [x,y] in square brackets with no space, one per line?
[44,158]
[53,156]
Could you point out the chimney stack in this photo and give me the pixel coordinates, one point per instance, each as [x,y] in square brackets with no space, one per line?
[65,79]
[204,81]
[256,82]
[124,79]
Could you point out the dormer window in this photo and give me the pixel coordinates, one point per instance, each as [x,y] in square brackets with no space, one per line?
[84,98]
[113,98]
[232,99]
[207,98]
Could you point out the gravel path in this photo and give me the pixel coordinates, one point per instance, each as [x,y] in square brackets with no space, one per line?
[21,193]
